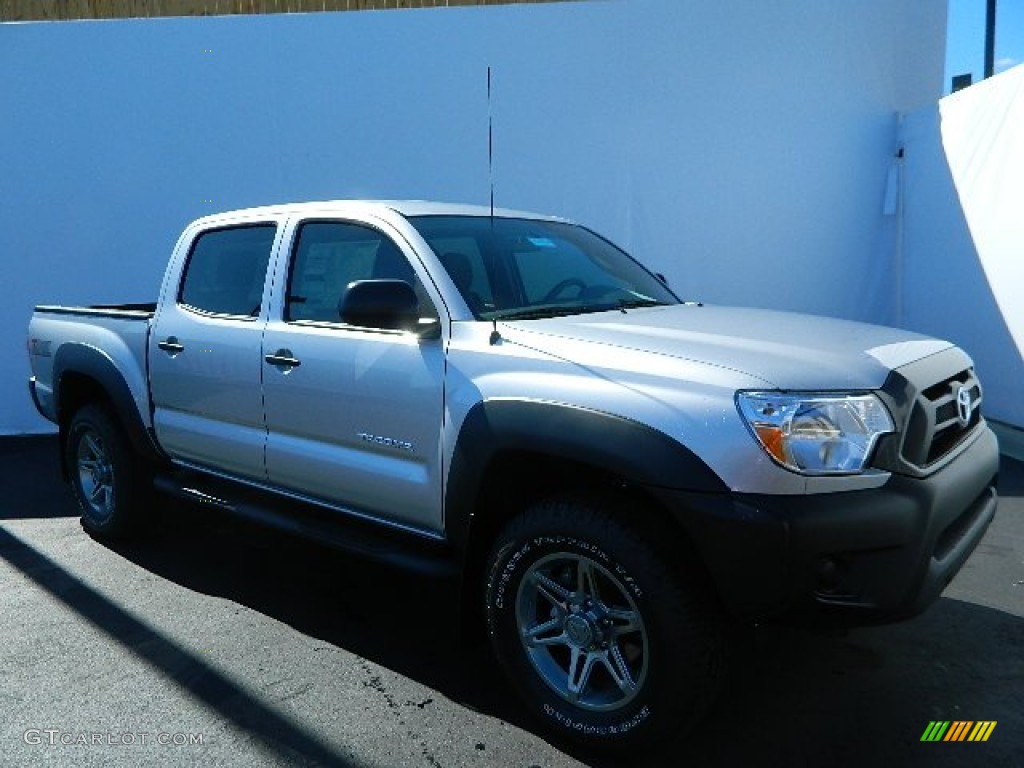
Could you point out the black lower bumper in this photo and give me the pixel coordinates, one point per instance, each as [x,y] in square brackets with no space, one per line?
[857,557]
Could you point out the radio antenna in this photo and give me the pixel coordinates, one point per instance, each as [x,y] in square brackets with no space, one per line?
[495,335]
[490,144]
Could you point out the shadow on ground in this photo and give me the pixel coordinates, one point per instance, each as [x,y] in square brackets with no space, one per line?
[1011,479]
[31,481]
[797,698]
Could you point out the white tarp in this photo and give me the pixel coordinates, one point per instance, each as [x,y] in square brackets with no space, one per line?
[961,249]
[983,137]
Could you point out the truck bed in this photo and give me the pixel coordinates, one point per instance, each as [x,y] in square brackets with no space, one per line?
[62,335]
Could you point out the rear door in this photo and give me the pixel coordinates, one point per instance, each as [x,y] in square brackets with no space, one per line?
[205,362]
[353,414]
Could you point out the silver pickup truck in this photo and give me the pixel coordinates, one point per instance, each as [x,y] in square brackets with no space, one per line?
[617,475]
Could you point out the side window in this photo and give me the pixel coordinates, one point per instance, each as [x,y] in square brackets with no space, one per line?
[226,270]
[329,255]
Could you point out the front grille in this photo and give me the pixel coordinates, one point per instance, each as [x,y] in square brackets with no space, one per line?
[935,427]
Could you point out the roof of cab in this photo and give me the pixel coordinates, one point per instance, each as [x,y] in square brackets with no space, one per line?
[380,207]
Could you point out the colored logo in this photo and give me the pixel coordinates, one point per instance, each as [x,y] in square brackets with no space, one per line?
[958,730]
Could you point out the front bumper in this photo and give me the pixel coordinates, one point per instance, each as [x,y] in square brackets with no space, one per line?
[858,557]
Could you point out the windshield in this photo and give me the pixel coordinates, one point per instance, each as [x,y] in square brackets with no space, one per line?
[527,268]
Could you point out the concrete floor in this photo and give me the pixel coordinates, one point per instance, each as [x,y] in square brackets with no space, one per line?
[241,649]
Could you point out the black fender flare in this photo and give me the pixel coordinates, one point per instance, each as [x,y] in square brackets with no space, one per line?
[626,449]
[85,360]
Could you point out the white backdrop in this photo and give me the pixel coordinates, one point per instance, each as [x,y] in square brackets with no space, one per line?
[741,148]
[964,231]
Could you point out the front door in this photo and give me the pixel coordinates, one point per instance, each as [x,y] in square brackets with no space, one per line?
[353,414]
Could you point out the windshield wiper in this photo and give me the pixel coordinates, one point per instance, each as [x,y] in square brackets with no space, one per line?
[625,304]
[539,313]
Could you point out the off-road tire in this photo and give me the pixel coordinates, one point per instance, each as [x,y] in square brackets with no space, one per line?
[649,621]
[112,485]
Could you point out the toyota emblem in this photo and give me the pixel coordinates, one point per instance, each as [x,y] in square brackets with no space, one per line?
[964,406]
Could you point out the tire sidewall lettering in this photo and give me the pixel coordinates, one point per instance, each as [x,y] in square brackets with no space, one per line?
[511,569]
[571,723]
[507,573]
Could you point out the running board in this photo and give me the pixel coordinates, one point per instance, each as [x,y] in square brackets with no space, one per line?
[326,527]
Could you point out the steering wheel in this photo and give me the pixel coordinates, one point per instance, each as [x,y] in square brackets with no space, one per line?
[561,285]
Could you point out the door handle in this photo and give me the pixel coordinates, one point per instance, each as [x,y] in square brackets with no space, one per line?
[283,359]
[171,345]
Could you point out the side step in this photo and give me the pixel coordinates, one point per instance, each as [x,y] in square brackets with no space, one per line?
[334,529]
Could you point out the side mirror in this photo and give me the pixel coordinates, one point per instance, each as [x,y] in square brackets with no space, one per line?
[662,278]
[428,328]
[390,304]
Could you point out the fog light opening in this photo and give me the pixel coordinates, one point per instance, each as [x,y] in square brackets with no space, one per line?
[829,575]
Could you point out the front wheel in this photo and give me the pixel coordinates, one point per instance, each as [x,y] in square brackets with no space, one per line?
[108,481]
[604,640]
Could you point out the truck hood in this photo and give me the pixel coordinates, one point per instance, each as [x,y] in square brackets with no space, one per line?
[782,349]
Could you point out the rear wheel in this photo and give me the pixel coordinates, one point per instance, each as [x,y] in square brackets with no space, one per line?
[108,481]
[604,640]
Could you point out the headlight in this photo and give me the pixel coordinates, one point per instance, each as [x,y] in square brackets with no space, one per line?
[816,433]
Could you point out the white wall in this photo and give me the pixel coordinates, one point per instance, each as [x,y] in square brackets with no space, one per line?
[741,148]
[964,232]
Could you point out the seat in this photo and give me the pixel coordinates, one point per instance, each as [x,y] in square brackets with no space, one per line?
[460,269]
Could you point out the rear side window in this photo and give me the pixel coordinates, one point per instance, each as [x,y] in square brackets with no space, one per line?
[226,270]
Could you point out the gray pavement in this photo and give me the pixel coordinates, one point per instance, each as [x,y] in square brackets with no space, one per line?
[215,644]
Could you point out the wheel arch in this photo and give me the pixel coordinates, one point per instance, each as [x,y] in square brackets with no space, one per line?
[83,375]
[563,449]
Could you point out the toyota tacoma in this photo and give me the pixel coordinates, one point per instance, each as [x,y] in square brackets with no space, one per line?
[615,474]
